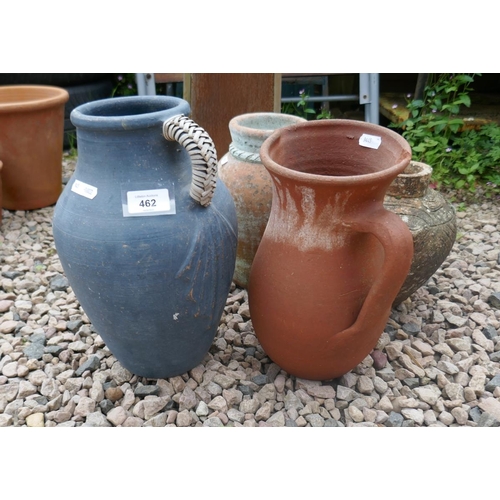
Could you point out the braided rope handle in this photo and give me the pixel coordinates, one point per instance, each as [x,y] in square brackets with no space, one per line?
[244,155]
[201,149]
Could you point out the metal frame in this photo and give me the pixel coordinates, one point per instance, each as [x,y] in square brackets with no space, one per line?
[368,93]
[146,84]
[368,96]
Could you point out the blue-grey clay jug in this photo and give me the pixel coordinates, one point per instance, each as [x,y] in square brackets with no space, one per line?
[146,233]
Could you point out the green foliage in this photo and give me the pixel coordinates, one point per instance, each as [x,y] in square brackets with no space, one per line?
[72,151]
[125,85]
[324,114]
[461,158]
[303,109]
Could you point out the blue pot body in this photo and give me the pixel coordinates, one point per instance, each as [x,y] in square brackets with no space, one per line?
[154,287]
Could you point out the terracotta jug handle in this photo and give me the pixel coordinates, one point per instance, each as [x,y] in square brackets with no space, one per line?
[203,155]
[397,242]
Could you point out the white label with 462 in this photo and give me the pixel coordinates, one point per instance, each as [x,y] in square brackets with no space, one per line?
[148,201]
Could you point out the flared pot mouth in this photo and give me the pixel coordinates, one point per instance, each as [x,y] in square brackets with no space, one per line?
[128,113]
[22,98]
[336,151]
[248,131]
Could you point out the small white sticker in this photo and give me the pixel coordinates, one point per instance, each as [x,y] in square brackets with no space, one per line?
[84,189]
[370,141]
[148,201]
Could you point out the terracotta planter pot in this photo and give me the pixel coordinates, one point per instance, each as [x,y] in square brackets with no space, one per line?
[249,183]
[31,145]
[431,220]
[332,258]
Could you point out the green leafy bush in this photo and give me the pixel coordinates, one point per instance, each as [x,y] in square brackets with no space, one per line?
[461,157]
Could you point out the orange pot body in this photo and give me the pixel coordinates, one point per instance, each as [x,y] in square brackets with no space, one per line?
[249,183]
[332,258]
[31,145]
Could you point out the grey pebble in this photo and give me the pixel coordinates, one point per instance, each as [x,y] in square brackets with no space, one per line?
[493,383]
[74,325]
[411,382]
[394,420]
[34,351]
[146,390]
[494,300]
[489,332]
[12,274]
[91,364]
[411,328]
[59,283]
[495,357]
[488,420]
[106,406]
[260,379]
[38,338]
[245,390]
[55,350]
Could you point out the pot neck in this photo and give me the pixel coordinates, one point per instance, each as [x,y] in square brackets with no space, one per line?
[130,155]
[123,137]
[352,196]
[127,113]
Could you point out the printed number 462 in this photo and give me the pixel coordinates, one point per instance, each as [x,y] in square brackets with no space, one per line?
[147,203]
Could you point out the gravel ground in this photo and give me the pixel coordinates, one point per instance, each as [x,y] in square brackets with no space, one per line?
[436,365]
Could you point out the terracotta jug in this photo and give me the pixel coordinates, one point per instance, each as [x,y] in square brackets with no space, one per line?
[430,218]
[332,258]
[249,183]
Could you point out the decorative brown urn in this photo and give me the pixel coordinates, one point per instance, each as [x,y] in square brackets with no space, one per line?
[31,145]
[332,259]
[431,220]
[249,183]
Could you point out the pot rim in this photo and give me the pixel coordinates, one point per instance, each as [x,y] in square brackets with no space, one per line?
[150,111]
[240,123]
[411,184]
[23,98]
[363,127]
[424,169]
